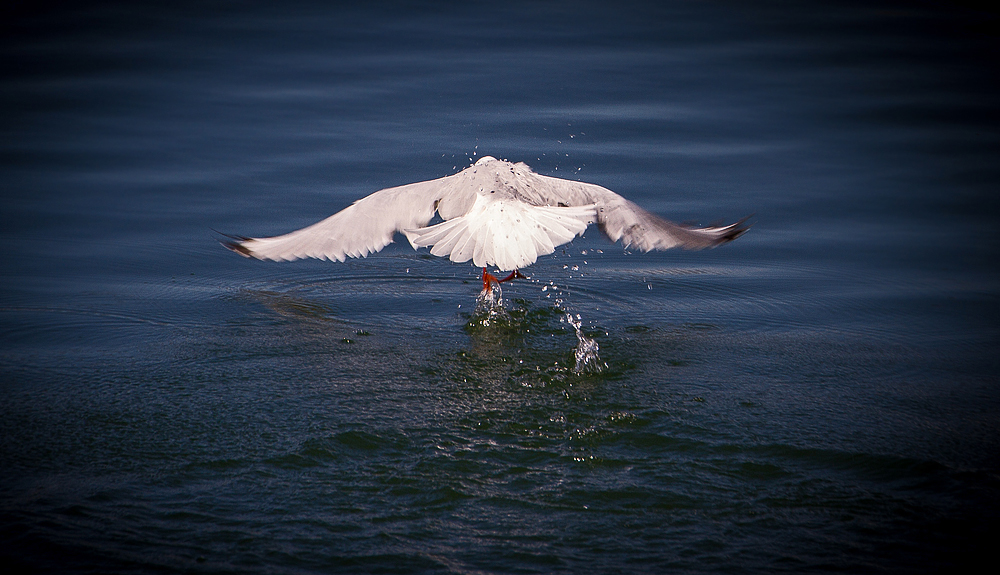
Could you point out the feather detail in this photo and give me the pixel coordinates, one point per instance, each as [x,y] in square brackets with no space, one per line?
[503,232]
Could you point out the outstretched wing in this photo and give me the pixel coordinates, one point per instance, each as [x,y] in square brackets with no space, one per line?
[536,213]
[363,228]
[623,220]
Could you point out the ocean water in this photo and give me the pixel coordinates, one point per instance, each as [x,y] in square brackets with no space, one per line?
[819,395]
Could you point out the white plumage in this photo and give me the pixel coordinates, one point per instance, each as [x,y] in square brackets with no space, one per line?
[495,213]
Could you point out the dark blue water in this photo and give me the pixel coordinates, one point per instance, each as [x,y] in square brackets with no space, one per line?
[820,395]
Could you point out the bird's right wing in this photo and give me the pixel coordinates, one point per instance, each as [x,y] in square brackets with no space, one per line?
[637,228]
[362,228]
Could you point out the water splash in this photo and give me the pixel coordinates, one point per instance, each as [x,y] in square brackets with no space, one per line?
[489,307]
[587,359]
[491,313]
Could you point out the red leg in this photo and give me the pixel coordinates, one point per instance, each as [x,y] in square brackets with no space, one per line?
[513,275]
[487,278]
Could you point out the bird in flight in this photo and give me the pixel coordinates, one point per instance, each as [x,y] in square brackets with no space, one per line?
[495,212]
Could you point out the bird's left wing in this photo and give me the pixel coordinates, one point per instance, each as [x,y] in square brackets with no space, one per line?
[362,228]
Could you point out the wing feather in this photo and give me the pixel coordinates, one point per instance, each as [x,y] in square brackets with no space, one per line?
[623,220]
[363,228]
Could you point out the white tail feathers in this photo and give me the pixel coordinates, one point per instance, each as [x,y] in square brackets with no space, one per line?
[505,233]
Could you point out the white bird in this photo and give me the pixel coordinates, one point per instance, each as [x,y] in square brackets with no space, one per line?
[494,212]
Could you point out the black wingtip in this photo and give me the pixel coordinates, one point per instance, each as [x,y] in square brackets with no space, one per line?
[235,243]
[238,248]
[737,229]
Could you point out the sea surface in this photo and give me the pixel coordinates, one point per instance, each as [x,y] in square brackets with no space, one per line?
[821,395]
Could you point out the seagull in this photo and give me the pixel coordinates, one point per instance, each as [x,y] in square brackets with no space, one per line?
[496,213]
